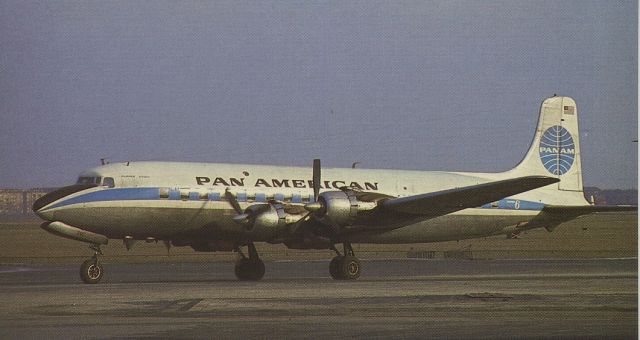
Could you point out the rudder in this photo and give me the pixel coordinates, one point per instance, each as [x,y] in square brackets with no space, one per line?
[555,150]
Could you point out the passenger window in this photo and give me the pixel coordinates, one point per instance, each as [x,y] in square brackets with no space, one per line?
[261,197]
[214,196]
[278,197]
[296,198]
[164,192]
[108,182]
[184,195]
[174,194]
[241,196]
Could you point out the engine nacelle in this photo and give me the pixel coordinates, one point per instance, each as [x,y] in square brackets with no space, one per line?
[265,216]
[340,208]
[265,221]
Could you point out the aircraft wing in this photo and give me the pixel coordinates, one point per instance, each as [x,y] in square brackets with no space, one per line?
[447,201]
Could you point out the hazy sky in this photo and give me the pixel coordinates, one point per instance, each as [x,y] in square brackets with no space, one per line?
[430,85]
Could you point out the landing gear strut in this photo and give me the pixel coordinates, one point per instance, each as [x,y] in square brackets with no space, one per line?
[249,268]
[91,270]
[345,267]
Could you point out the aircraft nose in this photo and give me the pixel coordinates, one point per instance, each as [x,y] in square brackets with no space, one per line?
[44,214]
[40,203]
[39,206]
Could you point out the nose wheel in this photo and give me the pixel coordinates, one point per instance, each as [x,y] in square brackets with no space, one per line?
[345,267]
[91,271]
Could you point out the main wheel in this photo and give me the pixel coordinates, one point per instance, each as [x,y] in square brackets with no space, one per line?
[334,268]
[349,268]
[257,270]
[91,271]
[249,270]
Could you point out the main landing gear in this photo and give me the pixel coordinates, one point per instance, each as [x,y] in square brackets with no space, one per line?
[345,267]
[91,270]
[249,268]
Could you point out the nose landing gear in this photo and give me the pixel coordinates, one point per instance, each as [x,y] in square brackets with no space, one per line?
[91,270]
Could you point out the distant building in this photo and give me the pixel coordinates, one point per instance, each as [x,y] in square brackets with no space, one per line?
[15,202]
[11,201]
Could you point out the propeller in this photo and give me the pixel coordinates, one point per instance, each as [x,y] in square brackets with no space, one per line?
[315,205]
[248,217]
[316,179]
[233,201]
[242,217]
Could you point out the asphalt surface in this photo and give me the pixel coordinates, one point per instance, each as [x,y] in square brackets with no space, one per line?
[393,298]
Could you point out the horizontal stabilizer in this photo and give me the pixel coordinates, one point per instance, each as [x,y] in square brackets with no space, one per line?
[587,209]
[447,201]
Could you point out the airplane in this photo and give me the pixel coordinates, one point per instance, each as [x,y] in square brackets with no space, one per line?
[225,207]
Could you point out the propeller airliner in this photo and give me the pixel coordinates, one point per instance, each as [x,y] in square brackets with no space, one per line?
[225,207]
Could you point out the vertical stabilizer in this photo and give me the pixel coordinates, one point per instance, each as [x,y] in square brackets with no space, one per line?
[555,150]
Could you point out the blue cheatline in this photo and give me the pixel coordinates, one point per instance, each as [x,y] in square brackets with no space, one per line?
[123,194]
[557,150]
[137,194]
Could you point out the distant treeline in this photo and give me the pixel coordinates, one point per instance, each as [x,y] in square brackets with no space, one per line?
[612,196]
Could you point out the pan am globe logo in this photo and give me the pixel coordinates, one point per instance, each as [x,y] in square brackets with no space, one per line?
[557,151]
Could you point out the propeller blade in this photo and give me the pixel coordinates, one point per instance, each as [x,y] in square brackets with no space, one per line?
[242,219]
[316,179]
[233,201]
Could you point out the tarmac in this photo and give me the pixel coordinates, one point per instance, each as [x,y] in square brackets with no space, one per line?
[404,298]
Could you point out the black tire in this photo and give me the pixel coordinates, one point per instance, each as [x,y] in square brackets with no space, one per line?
[334,268]
[249,270]
[257,270]
[350,268]
[241,269]
[91,271]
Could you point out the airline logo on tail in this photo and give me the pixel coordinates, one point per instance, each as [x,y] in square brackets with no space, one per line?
[557,150]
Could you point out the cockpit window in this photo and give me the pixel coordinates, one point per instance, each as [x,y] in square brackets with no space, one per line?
[86,180]
[108,182]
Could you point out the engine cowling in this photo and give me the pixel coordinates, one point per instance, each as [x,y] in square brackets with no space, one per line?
[269,216]
[339,208]
[265,221]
